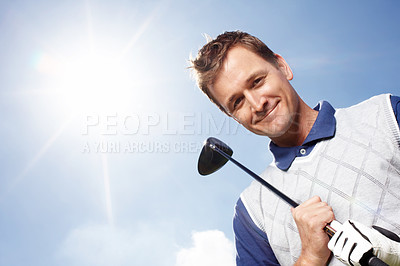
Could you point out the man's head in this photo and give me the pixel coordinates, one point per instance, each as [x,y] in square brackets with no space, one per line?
[210,58]
[251,84]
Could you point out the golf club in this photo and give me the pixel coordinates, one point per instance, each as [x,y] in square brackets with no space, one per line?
[216,154]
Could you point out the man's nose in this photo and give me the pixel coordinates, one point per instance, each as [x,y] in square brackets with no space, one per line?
[256,101]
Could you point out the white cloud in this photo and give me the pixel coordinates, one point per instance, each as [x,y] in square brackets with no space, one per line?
[210,248]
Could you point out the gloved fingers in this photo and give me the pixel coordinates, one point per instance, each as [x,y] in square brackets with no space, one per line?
[332,243]
[361,240]
[358,250]
[346,252]
[338,228]
[344,249]
[339,244]
[349,245]
[386,249]
[353,240]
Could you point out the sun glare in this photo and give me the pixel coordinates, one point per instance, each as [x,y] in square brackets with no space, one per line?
[76,77]
[94,83]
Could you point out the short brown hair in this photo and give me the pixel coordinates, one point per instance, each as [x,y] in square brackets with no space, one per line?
[211,56]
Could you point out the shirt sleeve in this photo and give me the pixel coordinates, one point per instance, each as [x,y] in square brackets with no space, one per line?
[252,245]
[396,107]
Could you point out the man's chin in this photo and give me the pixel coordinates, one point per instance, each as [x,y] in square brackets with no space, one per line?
[268,133]
[276,129]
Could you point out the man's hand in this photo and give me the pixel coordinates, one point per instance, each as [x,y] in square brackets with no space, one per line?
[353,240]
[311,217]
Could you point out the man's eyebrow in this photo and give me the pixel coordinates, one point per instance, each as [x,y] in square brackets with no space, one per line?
[254,75]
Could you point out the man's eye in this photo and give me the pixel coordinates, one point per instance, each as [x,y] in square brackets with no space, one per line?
[257,81]
[237,102]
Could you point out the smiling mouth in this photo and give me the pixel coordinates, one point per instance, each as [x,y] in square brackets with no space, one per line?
[267,113]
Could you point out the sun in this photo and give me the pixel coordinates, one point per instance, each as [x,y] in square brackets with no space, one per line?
[92,83]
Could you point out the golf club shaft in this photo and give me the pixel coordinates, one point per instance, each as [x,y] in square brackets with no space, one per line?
[257,177]
[373,261]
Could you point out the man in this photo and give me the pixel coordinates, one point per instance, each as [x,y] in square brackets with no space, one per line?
[341,164]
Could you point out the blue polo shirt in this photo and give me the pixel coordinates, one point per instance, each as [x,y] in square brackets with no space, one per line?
[252,245]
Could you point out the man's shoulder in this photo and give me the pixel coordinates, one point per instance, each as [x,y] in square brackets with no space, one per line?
[365,110]
[377,99]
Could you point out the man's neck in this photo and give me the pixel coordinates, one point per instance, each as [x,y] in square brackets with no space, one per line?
[301,126]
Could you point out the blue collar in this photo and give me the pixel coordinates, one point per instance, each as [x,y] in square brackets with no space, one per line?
[324,127]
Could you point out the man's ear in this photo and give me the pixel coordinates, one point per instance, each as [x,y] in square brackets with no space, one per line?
[284,67]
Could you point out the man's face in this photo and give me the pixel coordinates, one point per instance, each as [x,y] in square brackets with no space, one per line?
[257,93]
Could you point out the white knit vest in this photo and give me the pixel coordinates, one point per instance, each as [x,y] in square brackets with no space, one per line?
[357,172]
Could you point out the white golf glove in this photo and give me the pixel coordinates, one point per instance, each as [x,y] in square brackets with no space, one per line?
[352,240]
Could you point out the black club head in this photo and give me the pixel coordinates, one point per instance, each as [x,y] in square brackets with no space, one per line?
[210,160]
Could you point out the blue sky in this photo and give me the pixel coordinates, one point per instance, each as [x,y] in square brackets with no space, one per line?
[102,124]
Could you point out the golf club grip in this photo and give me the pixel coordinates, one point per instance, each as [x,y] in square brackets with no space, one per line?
[329,231]
[374,261]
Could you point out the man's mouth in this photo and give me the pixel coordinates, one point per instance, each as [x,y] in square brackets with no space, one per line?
[257,119]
